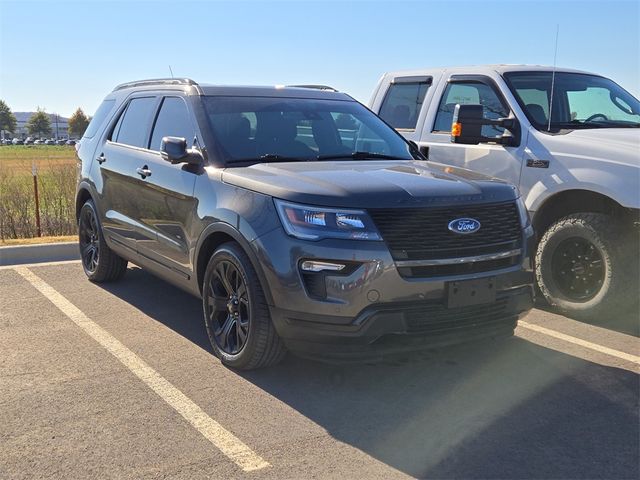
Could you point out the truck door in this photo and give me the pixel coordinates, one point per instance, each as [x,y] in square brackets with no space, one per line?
[401,105]
[491,159]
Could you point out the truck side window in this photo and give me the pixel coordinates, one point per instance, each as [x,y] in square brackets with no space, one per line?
[402,104]
[470,93]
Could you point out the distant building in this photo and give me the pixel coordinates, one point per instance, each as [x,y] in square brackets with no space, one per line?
[59,125]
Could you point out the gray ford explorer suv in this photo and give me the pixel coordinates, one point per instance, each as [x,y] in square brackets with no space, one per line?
[301,219]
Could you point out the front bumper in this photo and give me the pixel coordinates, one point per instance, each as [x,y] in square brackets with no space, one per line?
[373,309]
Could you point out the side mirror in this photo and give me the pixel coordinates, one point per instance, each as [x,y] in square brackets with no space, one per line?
[174,150]
[468,121]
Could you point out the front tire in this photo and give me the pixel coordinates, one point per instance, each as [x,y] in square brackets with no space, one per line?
[586,267]
[99,262]
[236,313]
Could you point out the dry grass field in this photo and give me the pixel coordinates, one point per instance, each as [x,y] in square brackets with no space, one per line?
[56,175]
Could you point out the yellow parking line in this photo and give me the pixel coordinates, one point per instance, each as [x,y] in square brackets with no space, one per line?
[583,343]
[224,440]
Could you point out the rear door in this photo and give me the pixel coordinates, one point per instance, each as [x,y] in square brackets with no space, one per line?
[401,105]
[167,205]
[123,150]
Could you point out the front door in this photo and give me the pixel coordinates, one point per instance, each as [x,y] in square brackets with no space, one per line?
[167,204]
[491,159]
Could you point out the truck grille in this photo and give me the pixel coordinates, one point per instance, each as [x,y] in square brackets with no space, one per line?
[423,234]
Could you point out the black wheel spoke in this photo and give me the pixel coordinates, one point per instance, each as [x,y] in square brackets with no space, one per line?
[228,313]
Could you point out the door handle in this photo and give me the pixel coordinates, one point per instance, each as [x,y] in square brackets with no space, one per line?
[144,172]
[101,159]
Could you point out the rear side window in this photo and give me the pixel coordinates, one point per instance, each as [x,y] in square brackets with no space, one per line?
[402,104]
[99,117]
[133,125]
[470,93]
[173,121]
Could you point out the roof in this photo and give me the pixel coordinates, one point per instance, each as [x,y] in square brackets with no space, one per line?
[192,87]
[483,69]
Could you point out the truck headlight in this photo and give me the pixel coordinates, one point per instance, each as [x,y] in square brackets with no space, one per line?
[525,221]
[316,223]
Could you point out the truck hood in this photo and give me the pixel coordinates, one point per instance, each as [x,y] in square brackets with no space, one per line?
[365,184]
[616,145]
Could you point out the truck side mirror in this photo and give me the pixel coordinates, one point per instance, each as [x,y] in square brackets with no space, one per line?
[466,127]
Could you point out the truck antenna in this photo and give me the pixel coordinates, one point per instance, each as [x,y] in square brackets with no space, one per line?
[172,70]
[553,77]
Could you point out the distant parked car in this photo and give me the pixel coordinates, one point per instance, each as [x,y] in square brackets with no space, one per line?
[61,142]
[71,142]
[38,142]
[18,141]
[28,141]
[49,142]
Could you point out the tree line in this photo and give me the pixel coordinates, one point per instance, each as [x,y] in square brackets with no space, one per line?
[39,123]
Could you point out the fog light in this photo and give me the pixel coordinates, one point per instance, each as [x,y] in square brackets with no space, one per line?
[314,266]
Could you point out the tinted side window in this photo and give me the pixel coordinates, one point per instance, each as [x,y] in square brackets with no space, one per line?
[132,129]
[173,121]
[402,104]
[101,114]
[470,93]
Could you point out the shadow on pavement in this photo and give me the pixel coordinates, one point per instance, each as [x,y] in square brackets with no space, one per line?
[626,321]
[507,409]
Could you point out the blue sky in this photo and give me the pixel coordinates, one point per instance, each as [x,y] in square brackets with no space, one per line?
[61,55]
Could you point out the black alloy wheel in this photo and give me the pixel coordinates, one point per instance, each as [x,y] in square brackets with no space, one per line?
[89,240]
[228,308]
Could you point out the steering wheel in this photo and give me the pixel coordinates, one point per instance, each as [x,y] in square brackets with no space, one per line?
[596,115]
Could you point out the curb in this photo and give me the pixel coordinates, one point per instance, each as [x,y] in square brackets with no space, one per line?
[39,253]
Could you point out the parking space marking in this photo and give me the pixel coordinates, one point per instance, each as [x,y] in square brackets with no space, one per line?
[583,343]
[39,264]
[225,441]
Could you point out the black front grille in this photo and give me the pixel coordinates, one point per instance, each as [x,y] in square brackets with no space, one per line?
[423,233]
[458,268]
[436,318]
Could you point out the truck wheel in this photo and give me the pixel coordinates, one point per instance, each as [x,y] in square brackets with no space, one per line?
[586,267]
[236,313]
[99,262]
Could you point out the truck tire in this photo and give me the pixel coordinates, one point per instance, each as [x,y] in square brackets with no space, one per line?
[99,262]
[236,313]
[586,266]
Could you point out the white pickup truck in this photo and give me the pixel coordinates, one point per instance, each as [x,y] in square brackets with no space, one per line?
[569,140]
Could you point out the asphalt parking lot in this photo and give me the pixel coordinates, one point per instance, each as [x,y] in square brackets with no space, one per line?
[119,381]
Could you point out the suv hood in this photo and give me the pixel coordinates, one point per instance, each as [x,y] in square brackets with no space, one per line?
[365,184]
[616,145]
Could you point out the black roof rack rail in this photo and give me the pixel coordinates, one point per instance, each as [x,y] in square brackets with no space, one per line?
[156,81]
[316,87]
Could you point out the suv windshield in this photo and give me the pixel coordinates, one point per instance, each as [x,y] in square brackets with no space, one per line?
[250,129]
[579,100]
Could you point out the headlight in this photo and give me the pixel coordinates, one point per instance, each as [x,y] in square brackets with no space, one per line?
[316,223]
[524,214]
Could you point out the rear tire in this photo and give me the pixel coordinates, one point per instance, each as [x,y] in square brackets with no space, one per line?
[236,313]
[586,266]
[99,262]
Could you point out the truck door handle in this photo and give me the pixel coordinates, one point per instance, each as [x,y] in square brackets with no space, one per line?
[144,172]
[101,159]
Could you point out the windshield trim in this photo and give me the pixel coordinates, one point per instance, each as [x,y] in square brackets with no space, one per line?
[557,128]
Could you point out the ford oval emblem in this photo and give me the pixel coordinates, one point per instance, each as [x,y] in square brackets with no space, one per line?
[464,226]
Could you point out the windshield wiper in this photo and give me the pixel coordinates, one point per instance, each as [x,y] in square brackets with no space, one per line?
[360,156]
[269,158]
